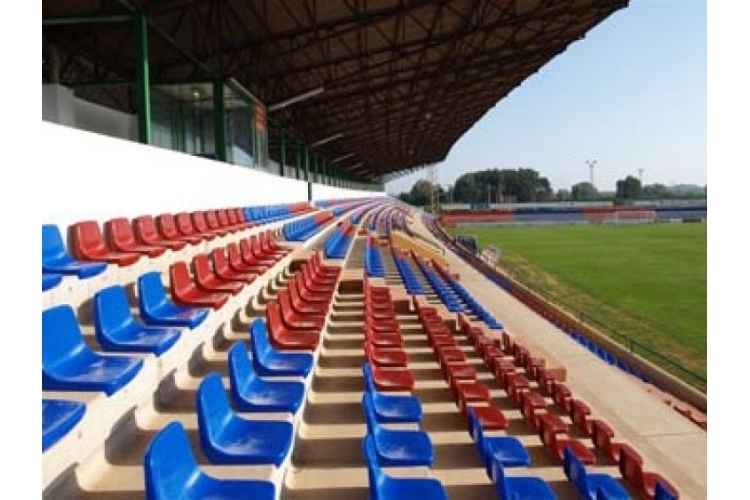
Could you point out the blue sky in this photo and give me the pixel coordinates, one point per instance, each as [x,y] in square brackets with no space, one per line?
[631,95]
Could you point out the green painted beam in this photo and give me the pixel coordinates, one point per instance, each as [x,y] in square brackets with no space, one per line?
[90,19]
[143,83]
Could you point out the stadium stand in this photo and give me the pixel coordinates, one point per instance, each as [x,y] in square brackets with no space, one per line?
[273,341]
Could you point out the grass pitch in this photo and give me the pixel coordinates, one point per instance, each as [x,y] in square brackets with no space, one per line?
[646,282]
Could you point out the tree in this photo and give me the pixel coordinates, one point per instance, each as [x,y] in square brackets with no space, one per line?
[583,191]
[628,189]
[420,193]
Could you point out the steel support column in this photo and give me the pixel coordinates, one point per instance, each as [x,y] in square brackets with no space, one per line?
[142,77]
[282,154]
[220,121]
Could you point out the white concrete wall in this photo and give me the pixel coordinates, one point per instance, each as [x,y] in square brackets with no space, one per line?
[84,175]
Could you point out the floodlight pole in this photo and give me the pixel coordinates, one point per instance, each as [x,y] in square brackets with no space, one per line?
[591,164]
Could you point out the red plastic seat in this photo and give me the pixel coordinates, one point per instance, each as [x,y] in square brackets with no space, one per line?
[249,257]
[547,381]
[168,229]
[284,338]
[120,237]
[225,272]
[392,379]
[492,418]
[448,354]
[580,415]
[235,220]
[459,373]
[87,243]
[207,279]
[631,468]
[385,356]
[201,226]
[533,405]
[238,263]
[239,215]
[562,396]
[294,319]
[323,269]
[502,369]
[602,435]
[185,226]
[471,392]
[269,244]
[186,293]
[308,296]
[556,442]
[214,225]
[319,307]
[517,384]
[147,233]
[384,339]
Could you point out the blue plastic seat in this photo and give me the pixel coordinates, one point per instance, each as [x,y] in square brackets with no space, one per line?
[58,418]
[172,473]
[68,364]
[157,309]
[520,487]
[227,438]
[385,487]
[252,393]
[117,330]
[57,259]
[50,280]
[391,408]
[398,447]
[662,493]
[507,450]
[268,361]
[591,486]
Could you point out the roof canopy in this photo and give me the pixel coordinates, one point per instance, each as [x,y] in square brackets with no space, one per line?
[391,83]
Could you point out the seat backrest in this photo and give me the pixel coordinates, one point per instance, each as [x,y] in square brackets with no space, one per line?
[498,476]
[119,232]
[169,463]
[274,322]
[199,222]
[222,216]
[475,426]
[111,311]
[151,293]
[180,277]
[212,220]
[241,372]
[259,343]
[661,492]
[631,465]
[144,228]
[575,470]
[374,472]
[601,435]
[202,267]
[219,258]
[212,407]
[369,382]
[87,240]
[370,417]
[167,226]
[62,340]
[53,246]
[233,252]
[185,224]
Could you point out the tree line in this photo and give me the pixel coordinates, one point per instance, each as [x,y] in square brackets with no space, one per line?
[527,185]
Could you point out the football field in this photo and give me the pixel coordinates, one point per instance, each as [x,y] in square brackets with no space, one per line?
[645,282]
